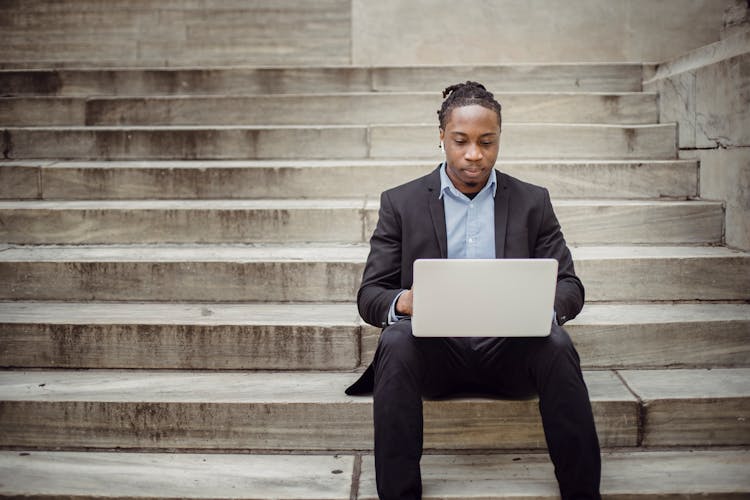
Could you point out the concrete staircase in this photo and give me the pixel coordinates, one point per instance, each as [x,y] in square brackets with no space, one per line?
[180,250]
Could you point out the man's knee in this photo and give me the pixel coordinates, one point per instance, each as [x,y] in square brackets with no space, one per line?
[397,343]
[396,336]
[558,345]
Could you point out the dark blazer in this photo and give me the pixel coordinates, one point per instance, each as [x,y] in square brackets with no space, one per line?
[411,225]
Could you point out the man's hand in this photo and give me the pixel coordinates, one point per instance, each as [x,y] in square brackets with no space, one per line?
[404,303]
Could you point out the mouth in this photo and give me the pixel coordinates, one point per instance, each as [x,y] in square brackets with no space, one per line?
[473,172]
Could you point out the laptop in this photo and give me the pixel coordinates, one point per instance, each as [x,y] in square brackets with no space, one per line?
[483,297]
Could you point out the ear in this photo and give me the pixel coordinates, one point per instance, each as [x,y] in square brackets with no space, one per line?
[442,134]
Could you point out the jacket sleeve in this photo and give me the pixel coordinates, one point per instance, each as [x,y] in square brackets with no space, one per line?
[550,243]
[381,280]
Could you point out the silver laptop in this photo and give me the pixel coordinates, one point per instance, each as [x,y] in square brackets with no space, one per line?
[483,297]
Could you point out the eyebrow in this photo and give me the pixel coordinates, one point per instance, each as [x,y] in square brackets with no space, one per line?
[457,132]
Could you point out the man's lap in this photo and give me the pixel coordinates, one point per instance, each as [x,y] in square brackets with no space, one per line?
[499,366]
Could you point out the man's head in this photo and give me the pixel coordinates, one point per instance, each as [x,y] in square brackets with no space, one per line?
[470,120]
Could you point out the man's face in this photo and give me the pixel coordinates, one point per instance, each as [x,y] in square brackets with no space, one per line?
[471,140]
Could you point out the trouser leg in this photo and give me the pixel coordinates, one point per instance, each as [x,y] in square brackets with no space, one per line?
[404,372]
[550,367]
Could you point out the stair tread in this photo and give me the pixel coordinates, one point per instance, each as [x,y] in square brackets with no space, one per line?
[151,313]
[326,476]
[325,388]
[224,387]
[95,128]
[310,252]
[357,162]
[302,204]
[688,384]
[183,475]
[632,474]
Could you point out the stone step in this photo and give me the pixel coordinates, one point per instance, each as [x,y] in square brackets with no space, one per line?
[235,336]
[350,221]
[325,179]
[718,474]
[314,273]
[519,140]
[702,407]
[309,411]
[318,109]
[265,411]
[711,475]
[88,475]
[296,80]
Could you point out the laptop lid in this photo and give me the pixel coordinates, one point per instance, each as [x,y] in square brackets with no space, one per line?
[483,297]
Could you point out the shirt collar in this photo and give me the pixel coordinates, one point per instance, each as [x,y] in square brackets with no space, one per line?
[447,184]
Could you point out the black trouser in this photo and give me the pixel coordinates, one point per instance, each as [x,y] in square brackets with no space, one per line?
[408,368]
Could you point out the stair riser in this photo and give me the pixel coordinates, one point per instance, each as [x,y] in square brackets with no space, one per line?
[287,426]
[581,224]
[227,347]
[543,141]
[182,347]
[703,423]
[614,180]
[249,81]
[605,279]
[318,110]
[675,345]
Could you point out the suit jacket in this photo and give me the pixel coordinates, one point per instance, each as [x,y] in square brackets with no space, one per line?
[411,226]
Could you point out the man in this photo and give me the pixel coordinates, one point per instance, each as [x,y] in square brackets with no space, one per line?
[467,209]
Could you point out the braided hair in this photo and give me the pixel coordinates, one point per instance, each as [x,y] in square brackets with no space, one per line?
[467,94]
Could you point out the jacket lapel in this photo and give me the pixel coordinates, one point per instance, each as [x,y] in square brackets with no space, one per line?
[501,214]
[437,212]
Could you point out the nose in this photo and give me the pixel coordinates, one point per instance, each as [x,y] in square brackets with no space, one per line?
[473,153]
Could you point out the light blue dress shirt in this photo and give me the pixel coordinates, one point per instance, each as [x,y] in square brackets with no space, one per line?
[470,224]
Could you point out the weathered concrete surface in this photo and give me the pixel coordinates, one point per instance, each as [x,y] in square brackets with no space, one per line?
[644,273]
[318,109]
[300,411]
[187,273]
[541,141]
[20,180]
[736,18]
[707,92]
[38,474]
[125,33]
[725,175]
[163,221]
[305,80]
[311,273]
[179,336]
[693,407]
[441,32]
[708,474]
[536,140]
[648,336]
[354,178]
[344,221]
[104,143]
[331,336]
[42,111]
[709,102]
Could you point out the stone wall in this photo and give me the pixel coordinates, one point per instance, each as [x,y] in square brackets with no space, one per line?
[707,92]
[392,32]
[174,32]
[344,32]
